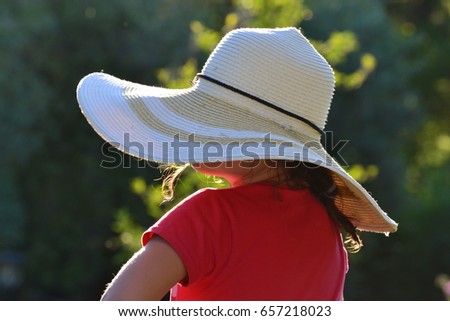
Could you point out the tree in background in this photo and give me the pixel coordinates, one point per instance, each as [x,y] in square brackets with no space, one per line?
[427,181]
[401,131]
[57,204]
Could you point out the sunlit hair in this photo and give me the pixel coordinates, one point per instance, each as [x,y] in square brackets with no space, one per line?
[171,174]
[296,175]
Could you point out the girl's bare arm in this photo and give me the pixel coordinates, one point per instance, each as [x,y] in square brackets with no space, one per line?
[148,275]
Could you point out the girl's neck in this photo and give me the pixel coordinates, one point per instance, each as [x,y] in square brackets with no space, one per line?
[239,173]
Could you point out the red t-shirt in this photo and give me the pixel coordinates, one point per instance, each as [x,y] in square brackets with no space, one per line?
[254,242]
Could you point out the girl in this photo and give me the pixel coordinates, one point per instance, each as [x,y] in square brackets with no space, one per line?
[254,117]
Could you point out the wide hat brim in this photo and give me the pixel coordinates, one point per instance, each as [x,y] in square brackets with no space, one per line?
[208,123]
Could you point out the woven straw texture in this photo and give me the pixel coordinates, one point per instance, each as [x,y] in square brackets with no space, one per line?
[213,123]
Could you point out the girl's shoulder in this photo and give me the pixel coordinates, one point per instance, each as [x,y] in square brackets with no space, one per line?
[262,192]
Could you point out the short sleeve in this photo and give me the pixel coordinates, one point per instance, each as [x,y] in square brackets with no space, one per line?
[187,229]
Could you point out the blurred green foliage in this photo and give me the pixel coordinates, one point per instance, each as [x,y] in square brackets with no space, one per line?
[73,222]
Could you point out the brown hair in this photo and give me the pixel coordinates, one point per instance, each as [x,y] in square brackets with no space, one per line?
[321,184]
[171,174]
[296,175]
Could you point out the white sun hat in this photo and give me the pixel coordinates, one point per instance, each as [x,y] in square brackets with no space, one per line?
[262,94]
